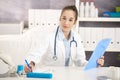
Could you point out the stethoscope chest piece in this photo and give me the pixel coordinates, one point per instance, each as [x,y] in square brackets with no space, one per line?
[55,57]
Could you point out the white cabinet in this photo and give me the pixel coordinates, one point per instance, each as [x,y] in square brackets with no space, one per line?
[91,35]
[43,17]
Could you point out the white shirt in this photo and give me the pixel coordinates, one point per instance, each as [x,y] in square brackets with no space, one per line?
[66,44]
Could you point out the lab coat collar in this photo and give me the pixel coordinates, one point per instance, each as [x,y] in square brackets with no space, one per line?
[61,35]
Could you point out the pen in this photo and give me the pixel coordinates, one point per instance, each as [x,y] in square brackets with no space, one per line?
[28,65]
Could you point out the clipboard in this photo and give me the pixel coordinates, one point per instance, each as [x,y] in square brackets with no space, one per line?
[98,52]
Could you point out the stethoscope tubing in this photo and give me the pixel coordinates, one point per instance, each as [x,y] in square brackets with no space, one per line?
[55,56]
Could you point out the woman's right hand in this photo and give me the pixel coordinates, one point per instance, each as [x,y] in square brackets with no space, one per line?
[27,69]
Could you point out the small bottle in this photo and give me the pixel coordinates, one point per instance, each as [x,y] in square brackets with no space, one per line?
[92,9]
[87,9]
[96,12]
[81,9]
[77,4]
[20,70]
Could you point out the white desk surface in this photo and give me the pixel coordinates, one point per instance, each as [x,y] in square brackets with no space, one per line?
[59,73]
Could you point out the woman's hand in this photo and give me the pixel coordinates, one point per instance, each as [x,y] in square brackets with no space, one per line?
[27,69]
[100,61]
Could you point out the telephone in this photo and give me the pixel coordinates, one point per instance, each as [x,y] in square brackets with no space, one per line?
[7,60]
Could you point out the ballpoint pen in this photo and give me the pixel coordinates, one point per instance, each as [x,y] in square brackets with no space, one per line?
[28,65]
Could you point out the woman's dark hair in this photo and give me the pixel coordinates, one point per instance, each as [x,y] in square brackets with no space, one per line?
[72,7]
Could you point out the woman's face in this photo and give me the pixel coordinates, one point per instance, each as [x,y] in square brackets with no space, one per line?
[67,20]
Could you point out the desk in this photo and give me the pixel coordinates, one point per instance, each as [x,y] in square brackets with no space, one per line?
[60,73]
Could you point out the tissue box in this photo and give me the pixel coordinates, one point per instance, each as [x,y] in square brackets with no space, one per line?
[117,9]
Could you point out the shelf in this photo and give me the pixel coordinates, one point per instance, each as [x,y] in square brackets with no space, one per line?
[100,19]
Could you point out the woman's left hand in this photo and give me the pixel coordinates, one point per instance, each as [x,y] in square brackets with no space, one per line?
[100,61]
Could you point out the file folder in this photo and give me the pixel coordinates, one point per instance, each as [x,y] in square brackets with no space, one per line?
[98,52]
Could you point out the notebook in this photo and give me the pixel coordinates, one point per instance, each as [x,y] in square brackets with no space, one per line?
[97,53]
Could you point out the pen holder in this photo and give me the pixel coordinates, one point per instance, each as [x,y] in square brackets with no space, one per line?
[20,69]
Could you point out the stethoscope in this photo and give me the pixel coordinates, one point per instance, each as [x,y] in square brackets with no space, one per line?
[73,41]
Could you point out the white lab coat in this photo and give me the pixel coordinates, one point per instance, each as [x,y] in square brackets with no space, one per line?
[44,54]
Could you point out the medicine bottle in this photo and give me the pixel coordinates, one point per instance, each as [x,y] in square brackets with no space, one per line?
[92,9]
[82,8]
[87,9]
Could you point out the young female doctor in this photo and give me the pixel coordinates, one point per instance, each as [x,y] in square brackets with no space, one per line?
[64,47]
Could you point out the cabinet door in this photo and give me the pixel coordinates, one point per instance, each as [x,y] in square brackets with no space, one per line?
[88,38]
[37,17]
[31,18]
[117,39]
[99,34]
[110,33]
[96,36]
[82,35]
